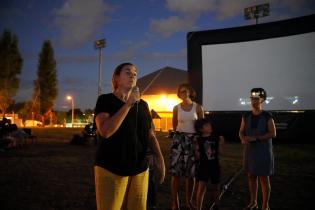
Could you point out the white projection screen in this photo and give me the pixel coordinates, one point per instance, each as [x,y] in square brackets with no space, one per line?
[223,65]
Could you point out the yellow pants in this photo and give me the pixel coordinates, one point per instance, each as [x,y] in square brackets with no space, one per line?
[115,192]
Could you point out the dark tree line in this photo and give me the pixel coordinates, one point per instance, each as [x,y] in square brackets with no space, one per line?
[45,86]
[10,68]
[45,90]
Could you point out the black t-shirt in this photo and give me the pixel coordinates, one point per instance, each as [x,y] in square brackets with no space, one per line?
[208,148]
[124,153]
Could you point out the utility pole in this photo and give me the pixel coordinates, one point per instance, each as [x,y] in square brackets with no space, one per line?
[70,98]
[99,44]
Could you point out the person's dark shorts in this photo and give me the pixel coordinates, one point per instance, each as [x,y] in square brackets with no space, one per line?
[209,170]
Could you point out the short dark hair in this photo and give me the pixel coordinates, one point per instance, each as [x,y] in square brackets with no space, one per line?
[259,92]
[200,123]
[192,92]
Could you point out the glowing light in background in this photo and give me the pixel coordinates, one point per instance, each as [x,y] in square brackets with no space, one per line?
[294,100]
[162,102]
[246,101]
[268,99]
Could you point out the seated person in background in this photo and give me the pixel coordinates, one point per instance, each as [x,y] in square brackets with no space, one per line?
[4,127]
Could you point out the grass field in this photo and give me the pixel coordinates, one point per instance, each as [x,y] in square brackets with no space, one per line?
[53,174]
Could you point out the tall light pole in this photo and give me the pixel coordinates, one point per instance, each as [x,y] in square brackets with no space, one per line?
[257,11]
[72,114]
[99,44]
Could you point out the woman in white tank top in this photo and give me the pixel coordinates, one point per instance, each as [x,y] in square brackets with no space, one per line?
[182,153]
[186,119]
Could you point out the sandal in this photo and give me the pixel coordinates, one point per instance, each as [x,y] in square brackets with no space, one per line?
[251,207]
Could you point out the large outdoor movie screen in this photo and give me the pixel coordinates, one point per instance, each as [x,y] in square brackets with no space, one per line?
[284,67]
[225,64]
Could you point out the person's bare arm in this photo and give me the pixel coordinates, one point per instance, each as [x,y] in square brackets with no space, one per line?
[175,118]
[200,112]
[107,125]
[271,131]
[158,156]
[221,145]
[244,139]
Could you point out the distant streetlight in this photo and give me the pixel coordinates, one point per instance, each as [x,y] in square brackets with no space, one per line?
[99,44]
[256,12]
[72,114]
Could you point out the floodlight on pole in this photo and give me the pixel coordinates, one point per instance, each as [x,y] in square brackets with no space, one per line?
[257,11]
[72,113]
[99,44]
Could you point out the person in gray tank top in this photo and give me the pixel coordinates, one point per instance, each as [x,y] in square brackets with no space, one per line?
[256,132]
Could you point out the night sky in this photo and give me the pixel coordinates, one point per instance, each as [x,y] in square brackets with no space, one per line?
[149,33]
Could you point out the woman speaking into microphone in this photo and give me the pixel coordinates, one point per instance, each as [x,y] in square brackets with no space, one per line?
[124,125]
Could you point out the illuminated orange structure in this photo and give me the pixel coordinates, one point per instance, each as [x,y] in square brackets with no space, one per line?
[159,89]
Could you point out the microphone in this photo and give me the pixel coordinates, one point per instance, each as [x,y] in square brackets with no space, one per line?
[136,91]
